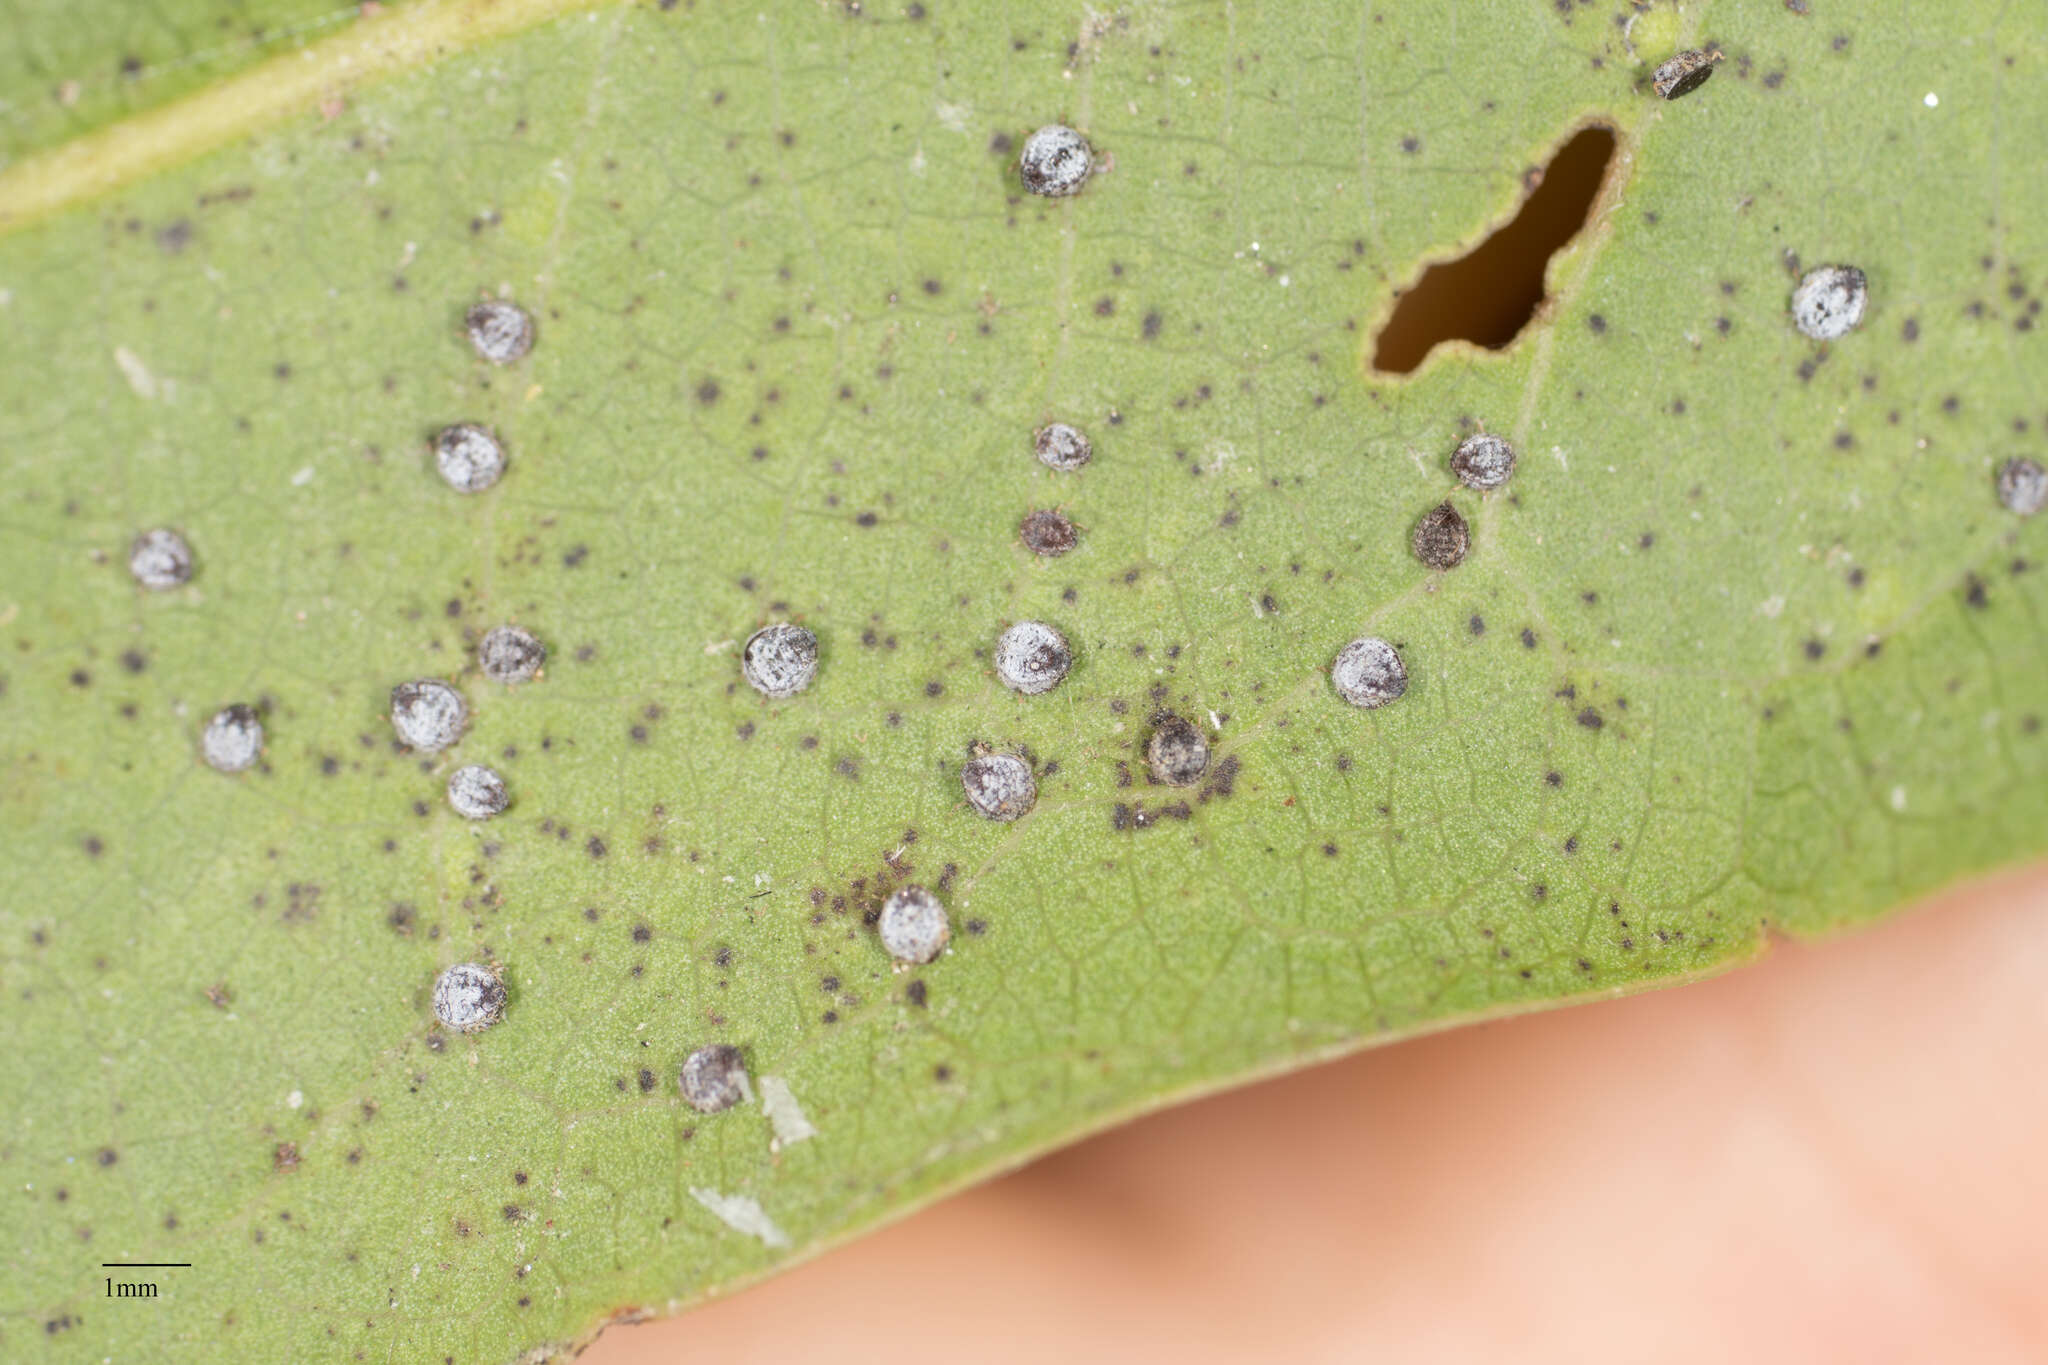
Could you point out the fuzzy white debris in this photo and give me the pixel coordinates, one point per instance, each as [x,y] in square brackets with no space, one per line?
[742,1214]
[135,372]
[778,1101]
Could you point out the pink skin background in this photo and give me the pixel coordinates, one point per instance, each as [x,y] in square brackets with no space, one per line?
[1837,1154]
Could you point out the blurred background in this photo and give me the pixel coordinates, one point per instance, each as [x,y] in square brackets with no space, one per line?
[1839,1153]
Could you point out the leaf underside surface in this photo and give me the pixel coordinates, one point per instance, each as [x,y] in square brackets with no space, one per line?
[1747,645]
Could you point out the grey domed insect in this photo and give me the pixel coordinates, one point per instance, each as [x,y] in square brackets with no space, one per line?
[502,332]
[1442,538]
[913,926]
[2023,486]
[1032,657]
[1177,753]
[1829,301]
[1483,462]
[477,792]
[469,457]
[508,654]
[780,660]
[469,997]
[233,739]
[1683,74]
[1369,672]
[160,559]
[714,1077]
[1062,447]
[999,786]
[428,714]
[1055,161]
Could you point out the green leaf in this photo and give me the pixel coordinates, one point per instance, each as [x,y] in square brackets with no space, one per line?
[1747,645]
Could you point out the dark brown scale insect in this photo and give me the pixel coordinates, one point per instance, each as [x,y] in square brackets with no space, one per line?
[1442,538]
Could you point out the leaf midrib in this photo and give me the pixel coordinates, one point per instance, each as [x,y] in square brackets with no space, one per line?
[374,47]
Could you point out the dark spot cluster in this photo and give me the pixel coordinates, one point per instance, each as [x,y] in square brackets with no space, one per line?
[1137,815]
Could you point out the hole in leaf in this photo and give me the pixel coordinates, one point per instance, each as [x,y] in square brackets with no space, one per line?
[1488,295]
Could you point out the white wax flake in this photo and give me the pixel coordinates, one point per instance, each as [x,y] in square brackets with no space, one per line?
[135,372]
[742,1214]
[1931,100]
[779,1102]
[303,477]
[1898,798]
[295,1099]
[1771,606]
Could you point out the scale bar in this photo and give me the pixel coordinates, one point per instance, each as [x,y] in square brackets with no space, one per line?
[144,1265]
